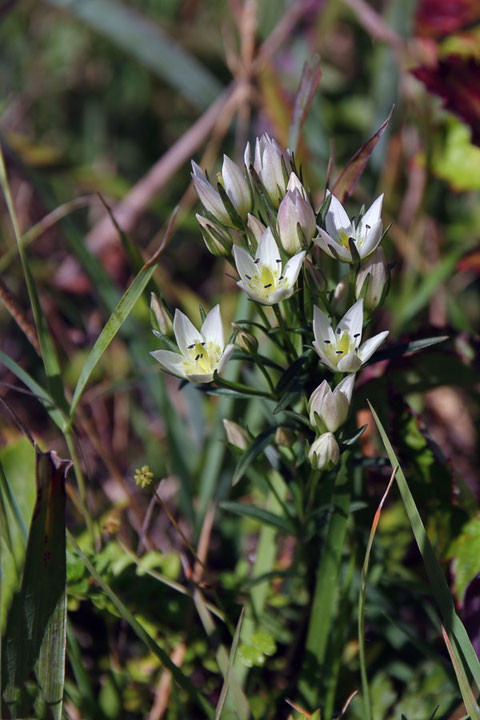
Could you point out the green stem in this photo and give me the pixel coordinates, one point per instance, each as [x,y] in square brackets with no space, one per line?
[288,346]
[82,490]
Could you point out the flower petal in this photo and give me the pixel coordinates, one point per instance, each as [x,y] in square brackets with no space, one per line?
[245,266]
[352,321]
[246,288]
[227,353]
[325,360]
[322,329]
[212,328]
[206,378]
[349,363]
[186,333]
[372,216]
[367,348]
[372,239]
[332,247]
[267,251]
[337,219]
[278,295]
[346,387]
[292,268]
[170,361]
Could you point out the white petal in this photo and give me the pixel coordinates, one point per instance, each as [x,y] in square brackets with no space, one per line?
[323,357]
[212,328]
[245,266]
[316,400]
[337,219]
[185,332]
[227,353]
[372,239]
[267,251]
[367,349]
[352,321]
[278,295]
[349,363]
[205,378]
[246,288]
[197,170]
[326,242]
[292,268]
[373,215]
[247,156]
[170,361]
[346,387]
[321,327]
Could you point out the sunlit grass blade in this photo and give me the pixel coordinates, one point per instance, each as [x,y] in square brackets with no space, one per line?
[440,590]
[361,605]
[149,44]
[231,658]
[34,640]
[260,514]
[467,695]
[117,319]
[49,356]
[125,613]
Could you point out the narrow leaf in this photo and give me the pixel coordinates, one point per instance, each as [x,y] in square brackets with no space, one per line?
[307,88]
[263,516]
[404,348]
[440,590]
[35,636]
[252,452]
[467,695]
[350,175]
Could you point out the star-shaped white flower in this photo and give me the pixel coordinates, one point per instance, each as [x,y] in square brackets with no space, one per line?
[340,231]
[340,350]
[263,277]
[202,352]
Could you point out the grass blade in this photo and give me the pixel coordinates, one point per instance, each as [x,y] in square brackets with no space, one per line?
[226,683]
[361,604]
[467,695]
[125,613]
[35,636]
[303,99]
[147,42]
[117,318]
[263,516]
[440,590]
[251,453]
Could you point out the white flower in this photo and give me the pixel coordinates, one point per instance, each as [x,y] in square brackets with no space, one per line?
[201,352]
[374,272]
[324,453]
[269,163]
[295,212]
[341,350]
[330,409]
[295,184]
[263,278]
[341,230]
[236,188]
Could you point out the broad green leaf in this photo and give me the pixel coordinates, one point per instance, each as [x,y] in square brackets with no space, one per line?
[34,640]
[263,516]
[440,590]
[149,44]
[465,554]
[17,498]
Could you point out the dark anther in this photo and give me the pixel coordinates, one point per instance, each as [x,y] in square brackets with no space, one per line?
[281,277]
[327,342]
[197,357]
[191,346]
[267,286]
[256,261]
[367,227]
[339,331]
[248,277]
[357,335]
[339,352]
[278,260]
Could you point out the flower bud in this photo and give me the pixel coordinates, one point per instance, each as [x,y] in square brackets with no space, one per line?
[236,187]
[163,319]
[329,410]
[210,198]
[245,340]
[372,280]
[316,280]
[324,452]
[256,228]
[295,219]
[218,241]
[272,166]
[340,296]
[295,184]
[284,437]
[236,435]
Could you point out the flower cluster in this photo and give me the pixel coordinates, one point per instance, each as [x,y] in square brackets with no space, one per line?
[261,219]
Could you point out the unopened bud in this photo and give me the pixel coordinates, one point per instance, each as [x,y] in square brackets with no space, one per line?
[371,282]
[340,296]
[217,240]
[284,437]
[324,453]
[245,340]
[237,187]
[295,184]
[329,410]
[162,318]
[236,435]
[209,197]
[256,228]
[316,280]
[295,222]
[272,166]
[143,476]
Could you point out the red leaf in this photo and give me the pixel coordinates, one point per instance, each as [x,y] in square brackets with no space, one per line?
[436,18]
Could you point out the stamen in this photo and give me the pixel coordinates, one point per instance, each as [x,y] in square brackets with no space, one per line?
[191,346]
[339,352]
[196,358]
[256,261]
[281,277]
[248,277]
[278,260]
[357,335]
[267,286]
[339,331]
[203,343]
[327,342]
[367,227]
